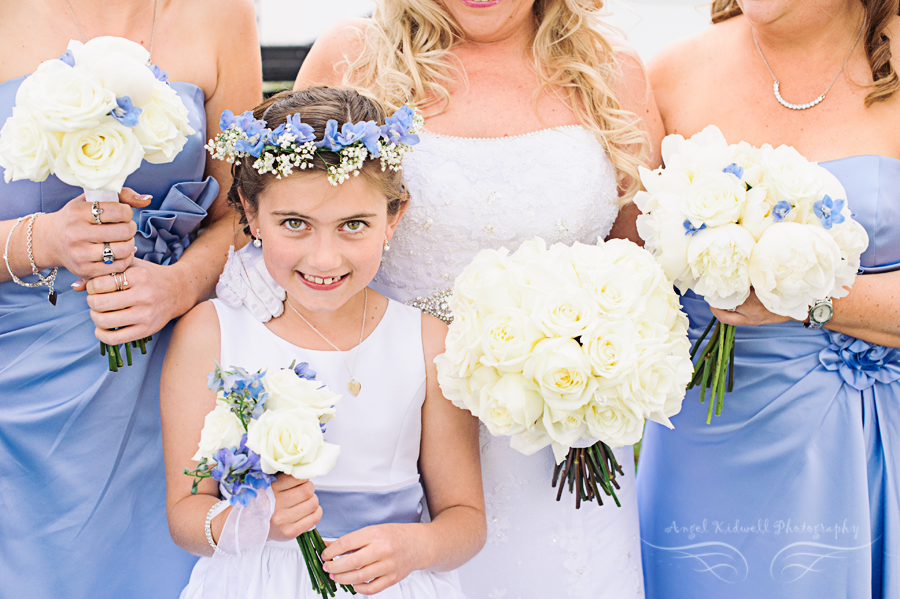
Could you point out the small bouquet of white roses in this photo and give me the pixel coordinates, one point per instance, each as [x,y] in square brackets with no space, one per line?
[549,346]
[722,219]
[265,423]
[90,118]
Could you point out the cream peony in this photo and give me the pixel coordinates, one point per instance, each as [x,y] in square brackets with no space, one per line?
[163,126]
[718,258]
[98,158]
[291,441]
[221,430]
[792,266]
[790,176]
[120,65]
[852,240]
[26,151]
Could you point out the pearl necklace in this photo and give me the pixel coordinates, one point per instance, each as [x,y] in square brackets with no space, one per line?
[775,86]
[353,386]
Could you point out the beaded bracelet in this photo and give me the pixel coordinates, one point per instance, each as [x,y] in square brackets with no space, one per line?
[214,511]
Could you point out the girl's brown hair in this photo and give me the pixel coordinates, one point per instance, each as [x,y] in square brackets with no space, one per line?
[316,105]
[879,14]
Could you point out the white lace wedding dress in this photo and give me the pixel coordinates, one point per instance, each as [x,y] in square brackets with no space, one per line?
[469,194]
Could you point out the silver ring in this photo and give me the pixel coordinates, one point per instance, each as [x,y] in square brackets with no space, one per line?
[108,256]
[124,281]
[96,211]
[731,309]
[115,277]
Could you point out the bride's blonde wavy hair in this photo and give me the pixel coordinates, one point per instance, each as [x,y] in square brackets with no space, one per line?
[407,59]
[877,42]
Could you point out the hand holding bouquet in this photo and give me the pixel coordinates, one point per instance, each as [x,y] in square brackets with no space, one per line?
[265,423]
[549,346]
[724,218]
[90,118]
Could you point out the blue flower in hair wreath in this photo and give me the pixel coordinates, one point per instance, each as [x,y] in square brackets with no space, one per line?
[365,131]
[304,132]
[397,126]
[273,135]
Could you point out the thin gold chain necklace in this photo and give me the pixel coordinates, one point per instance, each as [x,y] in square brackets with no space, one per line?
[353,385]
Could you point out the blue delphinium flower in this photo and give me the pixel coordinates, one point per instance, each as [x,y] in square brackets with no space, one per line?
[365,131]
[126,112]
[239,474]
[305,372]
[248,146]
[304,132]
[735,169]
[690,229]
[396,128]
[160,74]
[829,211]
[226,120]
[68,58]
[780,210]
[272,137]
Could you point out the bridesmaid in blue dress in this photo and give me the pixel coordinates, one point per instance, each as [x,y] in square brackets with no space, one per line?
[794,491]
[82,489]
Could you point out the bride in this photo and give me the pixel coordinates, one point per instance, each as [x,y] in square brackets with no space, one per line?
[531,129]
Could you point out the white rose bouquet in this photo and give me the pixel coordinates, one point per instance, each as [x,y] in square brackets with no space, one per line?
[722,219]
[551,346]
[90,118]
[265,423]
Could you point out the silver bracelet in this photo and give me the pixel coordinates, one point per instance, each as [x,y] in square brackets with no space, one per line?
[214,511]
[49,279]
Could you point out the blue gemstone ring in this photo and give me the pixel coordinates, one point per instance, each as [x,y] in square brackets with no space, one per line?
[108,257]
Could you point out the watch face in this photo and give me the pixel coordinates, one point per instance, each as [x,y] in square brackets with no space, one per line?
[821,313]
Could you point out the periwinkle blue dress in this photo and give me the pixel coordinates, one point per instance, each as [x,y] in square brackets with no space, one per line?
[82,487]
[794,491]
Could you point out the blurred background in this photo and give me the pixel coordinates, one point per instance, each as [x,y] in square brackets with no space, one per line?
[287,28]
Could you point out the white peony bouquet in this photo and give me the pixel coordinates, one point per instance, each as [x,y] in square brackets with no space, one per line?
[722,219]
[265,423]
[91,116]
[550,346]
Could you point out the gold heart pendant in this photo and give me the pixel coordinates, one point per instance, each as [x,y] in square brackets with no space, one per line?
[354,387]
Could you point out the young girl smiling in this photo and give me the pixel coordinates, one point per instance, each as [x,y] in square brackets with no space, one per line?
[323,231]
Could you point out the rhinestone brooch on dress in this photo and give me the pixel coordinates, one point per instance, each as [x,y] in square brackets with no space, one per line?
[437,304]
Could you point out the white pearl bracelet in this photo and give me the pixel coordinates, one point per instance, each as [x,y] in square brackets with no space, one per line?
[214,511]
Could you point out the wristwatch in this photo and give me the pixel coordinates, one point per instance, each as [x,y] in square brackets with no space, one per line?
[819,314]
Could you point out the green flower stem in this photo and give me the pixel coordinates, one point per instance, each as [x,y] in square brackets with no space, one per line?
[714,370]
[586,472]
[311,546]
[114,354]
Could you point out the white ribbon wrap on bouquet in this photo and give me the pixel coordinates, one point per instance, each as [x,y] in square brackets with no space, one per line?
[100,195]
[239,550]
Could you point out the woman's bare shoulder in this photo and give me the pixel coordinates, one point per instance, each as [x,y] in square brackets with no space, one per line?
[344,41]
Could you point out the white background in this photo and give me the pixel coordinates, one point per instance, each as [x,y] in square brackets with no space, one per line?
[649,25]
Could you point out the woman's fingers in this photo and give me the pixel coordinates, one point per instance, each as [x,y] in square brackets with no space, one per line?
[134,199]
[107,212]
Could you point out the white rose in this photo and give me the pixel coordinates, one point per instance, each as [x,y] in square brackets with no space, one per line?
[462,346]
[616,292]
[529,251]
[64,99]
[464,391]
[748,158]
[486,283]
[511,405]
[287,390]
[610,347]
[661,305]
[706,151]
[792,266]
[221,430]
[119,64]
[291,441]
[852,239]
[566,312]
[719,259]
[565,427]
[163,125]
[98,158]
[757,215]
[666,238]
[26,151]
[715,199]
[588,259]
[658,384]
[613,421]
[634,260]
[552,270]
[790,176]
[665,180]
[562,371]
[507,338]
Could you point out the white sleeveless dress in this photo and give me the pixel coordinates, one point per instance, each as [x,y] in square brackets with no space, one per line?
[468,194]
[376,479]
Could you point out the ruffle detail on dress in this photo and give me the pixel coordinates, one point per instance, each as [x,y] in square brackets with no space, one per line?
[859,363]
[164,233]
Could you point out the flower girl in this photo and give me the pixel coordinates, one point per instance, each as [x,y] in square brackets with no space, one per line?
[323,230]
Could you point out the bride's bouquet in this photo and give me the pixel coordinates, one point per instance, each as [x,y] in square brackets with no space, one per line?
[722,219]
[265,423]
[90,118]
[549,346]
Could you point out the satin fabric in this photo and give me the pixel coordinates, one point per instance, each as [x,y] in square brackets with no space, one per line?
[793,491]
[82,488]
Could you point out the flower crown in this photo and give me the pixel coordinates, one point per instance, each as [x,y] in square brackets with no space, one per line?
[293,144]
